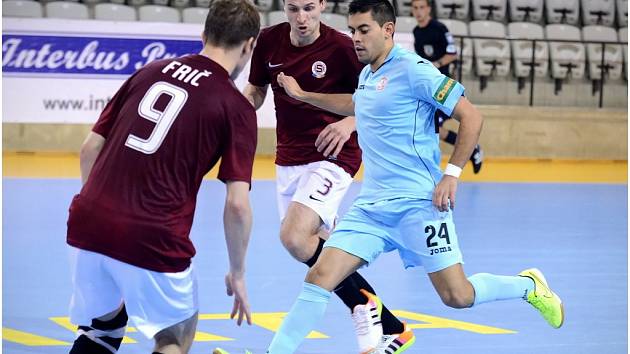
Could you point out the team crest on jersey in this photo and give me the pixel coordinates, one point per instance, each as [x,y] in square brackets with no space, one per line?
[428,50]
[318,69]
[380,86]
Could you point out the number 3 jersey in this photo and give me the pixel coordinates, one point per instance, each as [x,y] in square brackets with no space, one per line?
[165,128]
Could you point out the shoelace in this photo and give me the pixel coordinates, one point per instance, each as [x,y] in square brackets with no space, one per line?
[360,318]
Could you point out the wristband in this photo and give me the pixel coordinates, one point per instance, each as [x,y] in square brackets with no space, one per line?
[453,170]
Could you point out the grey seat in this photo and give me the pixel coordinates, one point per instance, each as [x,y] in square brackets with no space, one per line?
[405,24]
[598,12]
[526,10]
[114,12]
[492,55]
[276,17]
[336,21]
[622,13]
[452,9]
[194,15]
[522,50]
[623,37]
[613,58]
[67,10]
[157,13]
[489,10]
[563,11]
[459,30]
[567,58]
[21,8]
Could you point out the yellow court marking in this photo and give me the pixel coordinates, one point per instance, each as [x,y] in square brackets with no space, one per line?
[57,165]
[29,339]
[440,322]
[270,321]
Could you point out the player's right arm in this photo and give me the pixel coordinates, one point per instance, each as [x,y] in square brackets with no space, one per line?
[338,103]
[90,149]
[255,94]
[237,220]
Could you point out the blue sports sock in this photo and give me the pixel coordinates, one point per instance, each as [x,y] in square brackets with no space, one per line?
[490,287]
[306,312]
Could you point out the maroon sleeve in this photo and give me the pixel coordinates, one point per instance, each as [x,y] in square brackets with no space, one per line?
[106,120]
[240,148]
[258,73]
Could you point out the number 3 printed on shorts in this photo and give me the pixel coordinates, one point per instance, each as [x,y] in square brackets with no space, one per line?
[163,120]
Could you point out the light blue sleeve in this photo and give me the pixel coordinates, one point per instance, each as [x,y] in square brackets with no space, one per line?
[428,84]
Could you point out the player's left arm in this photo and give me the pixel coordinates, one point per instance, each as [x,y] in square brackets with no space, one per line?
[470,123]
[90,149]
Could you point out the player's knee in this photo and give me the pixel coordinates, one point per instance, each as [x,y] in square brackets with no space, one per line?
[101,337]
[294,242]
[457,298]
[318,274]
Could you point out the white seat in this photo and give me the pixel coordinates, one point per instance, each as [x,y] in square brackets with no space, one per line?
[526,10]
[276,17]
[263,19]
[567,58]
[522,50]
[264,5]
[157,13]
[336,21]
[194,15]
[489,10]
[598,12]
[180,4]
[67,10]
[613,58]
[459,30]
[563,11]
[622,13]
[403,8]
[114,12]
[405,24]
[338,6]
[452,9]
[623,37]
[21,8]
[491,55]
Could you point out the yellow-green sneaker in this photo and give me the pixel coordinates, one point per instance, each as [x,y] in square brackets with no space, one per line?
[543,299]
[221,351]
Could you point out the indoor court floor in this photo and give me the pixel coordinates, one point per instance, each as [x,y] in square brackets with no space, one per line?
[569,219]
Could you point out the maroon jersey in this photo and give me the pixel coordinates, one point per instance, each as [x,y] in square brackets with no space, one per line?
[328,65]
[165,128]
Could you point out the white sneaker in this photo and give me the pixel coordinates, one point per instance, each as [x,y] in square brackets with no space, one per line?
[367,323]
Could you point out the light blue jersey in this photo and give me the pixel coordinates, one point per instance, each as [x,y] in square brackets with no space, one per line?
[395,110]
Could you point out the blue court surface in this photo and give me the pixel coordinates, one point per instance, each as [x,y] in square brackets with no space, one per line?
[575,233]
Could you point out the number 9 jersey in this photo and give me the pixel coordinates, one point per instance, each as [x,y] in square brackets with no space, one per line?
[165,128]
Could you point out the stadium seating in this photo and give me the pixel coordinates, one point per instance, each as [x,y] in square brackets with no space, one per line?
[492,55]
[137,3]
[67,10]
[202,3]
[336,21]
[563,11]
[623,37]
[405,24]
[21,8]
[194,15]
[264,5]
[489,10]
[114,12]
[156,13]
[622,13]
[403,7]
[337,6]
[459,28]
[452,9]
[613,58]
[567,58]
[598,12]
[526,10]
[180,4]
[522,50]
[276,17]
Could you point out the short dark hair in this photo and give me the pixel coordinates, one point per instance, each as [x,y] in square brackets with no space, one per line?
[231,22]
[382,10]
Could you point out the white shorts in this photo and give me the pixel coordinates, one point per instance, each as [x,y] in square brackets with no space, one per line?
[318,185]
[154,300]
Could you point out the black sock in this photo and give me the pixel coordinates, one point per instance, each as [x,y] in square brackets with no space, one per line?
[349,292]
[451,137]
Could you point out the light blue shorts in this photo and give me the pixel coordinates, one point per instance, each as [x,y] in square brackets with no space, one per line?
[422,235]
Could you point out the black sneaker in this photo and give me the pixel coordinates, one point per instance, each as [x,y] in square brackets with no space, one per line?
[477,159]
